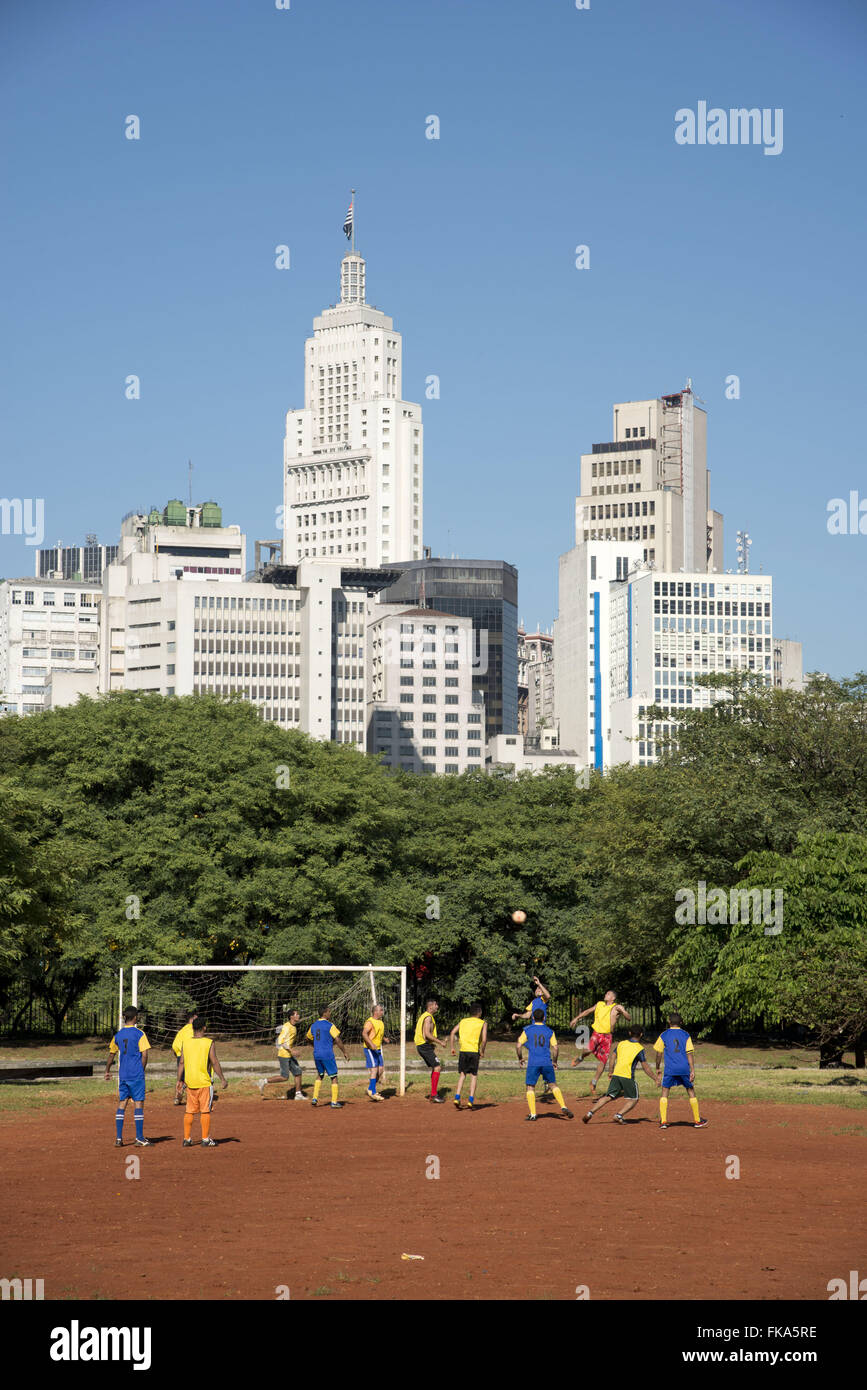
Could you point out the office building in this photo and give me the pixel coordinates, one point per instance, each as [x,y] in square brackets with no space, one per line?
[49,632]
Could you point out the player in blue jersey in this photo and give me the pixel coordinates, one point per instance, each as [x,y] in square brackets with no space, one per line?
[542,1053]
[323,1036]
[674,1045]
[541,999]
[131,1047]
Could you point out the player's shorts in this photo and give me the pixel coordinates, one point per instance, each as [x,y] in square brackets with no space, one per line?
[131,1090]
[468,1063]
[428,1054]
[289,1067]
[373,1058]
[622,1086]
[600,1045]
[676,1078]
[325,1065]
[543,1069]
[199,1100]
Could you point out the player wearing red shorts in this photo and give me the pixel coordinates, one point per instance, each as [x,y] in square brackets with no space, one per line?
[605,1015]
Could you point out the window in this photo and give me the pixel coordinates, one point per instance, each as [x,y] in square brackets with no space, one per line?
[16,596]
[48,599]
[69,600]
[406,699]
[62,654]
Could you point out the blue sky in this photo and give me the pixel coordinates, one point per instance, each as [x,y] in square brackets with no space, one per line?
[156,257]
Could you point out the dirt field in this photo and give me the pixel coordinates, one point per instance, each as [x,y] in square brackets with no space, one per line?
[326,1202]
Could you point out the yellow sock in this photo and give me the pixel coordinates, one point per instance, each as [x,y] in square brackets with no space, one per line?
[531,1099]
[206,1125]
[334,1089]
[663,1109]
[693,1105]
[316,1084]
[558,1096]
[188,1126]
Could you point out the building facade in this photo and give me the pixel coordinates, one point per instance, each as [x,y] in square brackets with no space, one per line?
[79,562]
[47,627]
[788,664]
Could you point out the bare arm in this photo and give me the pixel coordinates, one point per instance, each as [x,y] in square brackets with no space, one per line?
[583,1014]
[654,1076]
[452,1037]
[622,1012]
[215,1064]
[484,1039]
[546,993]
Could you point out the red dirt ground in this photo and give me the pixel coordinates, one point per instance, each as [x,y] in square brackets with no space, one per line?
[326,1203]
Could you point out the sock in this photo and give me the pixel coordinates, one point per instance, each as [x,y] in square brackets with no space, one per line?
[558,1096]
[118,1120]
[531,1099]
[139,1123]
[188,1126]
[434,1081]
[206,1124]
[457,1095]
[316,1084]
[472,1100]
[693,1105]
[371,1086]
[334,1090]
[663,1110]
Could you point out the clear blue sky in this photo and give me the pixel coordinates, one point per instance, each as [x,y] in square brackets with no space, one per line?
[156,257]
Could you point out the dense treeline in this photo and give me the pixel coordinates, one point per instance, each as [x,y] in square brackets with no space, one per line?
[136,828]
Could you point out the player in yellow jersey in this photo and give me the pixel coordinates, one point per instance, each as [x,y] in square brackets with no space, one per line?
[198,1062]
[605,1015]
[373,1036]
[287,1039]
[472,1034]
[621,1072]
[425,1041]
[177,1044]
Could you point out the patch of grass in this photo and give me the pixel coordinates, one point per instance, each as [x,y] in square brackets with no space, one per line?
[322,1292]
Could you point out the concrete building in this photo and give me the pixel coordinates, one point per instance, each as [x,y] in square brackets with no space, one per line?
[486,591]
[47,628]
[82,562]
[508,753]
[353,456]
[788,664]
[424,715]
[536,666]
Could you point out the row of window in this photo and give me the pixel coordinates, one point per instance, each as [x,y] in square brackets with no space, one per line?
[603,511]
[27,597]
[615,468]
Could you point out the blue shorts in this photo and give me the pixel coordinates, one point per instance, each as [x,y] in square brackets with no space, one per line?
[373,1059]
[131,1090]
[543,1069]
[325,1064]
[676,1078]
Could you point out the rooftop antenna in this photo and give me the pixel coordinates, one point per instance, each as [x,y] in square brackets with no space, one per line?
[190,475]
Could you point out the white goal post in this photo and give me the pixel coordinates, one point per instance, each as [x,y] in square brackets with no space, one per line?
[367,985]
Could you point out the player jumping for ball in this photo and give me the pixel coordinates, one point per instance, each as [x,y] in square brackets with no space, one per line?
[621,1074]
[198,1063]
[472,1033]
[542,1053]
[286,1059]
[373,1036]
[605,1015]
[541,999]
[323,1036]
[177,1046]
[675,1045]
[425,1040]
[131,1047]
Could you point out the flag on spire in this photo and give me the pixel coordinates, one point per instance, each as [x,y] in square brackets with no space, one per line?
[347,226]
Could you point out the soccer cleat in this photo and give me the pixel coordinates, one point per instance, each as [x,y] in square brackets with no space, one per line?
[209,1143]
[585,1119]
[313,1100]
[337,1105]
[617,1120]
[179,1100]
[143,1143]
[662,1126]
[529,1117]
[373,1095]
[262,1083]
[188,1143]
[567,1114]
[299,1095]
[118,1143]
[701,1124]
[457,1102]
[437,1100]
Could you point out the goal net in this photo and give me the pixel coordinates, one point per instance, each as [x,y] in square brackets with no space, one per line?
[247,1005]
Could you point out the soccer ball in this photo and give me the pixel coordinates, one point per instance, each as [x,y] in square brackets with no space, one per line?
[519,916]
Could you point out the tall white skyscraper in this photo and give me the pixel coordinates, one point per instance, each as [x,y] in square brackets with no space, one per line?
[352,489]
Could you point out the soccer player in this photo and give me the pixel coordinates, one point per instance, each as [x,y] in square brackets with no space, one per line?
[198,1062]
[131,1047]
[323,1036]
[425,1042]
[373,1036]
[541,999]
[675,1045]
[621,1072]
[542,1052]
[605,1015]
[472,1034]
[288,1062]
[177,1047]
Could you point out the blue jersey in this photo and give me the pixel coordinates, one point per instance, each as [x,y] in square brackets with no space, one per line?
[675,1043]
[322,1033]
[538,1042]
[539,1004]
[127,1042]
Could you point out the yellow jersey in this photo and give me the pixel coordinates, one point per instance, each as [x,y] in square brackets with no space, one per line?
[196,1070]
[181,1037]
[286,1040]
[419,1027]
[470,1033]
[602,1017]
[376,1033]
[629,1054]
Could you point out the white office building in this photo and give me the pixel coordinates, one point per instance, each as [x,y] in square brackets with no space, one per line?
[508,753]
[49,641]
[423,713]
[788,664]
[353,456]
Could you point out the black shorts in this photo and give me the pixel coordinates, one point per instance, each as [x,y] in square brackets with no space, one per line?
[428,1054]
[468,1063]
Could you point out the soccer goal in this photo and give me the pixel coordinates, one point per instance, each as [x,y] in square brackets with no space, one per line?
[250,1003]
